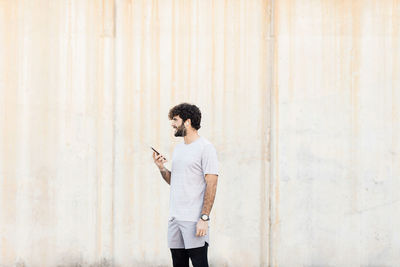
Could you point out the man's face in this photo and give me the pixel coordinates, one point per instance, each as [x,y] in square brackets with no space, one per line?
[179,126]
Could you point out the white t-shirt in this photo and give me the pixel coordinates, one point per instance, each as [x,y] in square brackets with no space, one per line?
[190,164]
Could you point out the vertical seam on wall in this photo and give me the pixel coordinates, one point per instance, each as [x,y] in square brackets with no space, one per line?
[265,80]
[114,129]
[271,113]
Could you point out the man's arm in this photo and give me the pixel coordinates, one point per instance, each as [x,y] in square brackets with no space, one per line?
[166,174]
[159,160]
[209,196]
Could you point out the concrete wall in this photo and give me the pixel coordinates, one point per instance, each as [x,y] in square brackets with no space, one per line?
[301,99]
[85,90]
[336,122]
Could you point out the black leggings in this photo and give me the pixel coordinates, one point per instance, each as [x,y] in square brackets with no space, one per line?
[180,256]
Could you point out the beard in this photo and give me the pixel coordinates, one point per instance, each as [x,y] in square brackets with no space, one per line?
[180,131]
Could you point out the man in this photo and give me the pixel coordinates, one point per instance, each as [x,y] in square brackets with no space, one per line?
[193,180]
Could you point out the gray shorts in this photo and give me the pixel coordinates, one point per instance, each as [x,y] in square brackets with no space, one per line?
[182,234]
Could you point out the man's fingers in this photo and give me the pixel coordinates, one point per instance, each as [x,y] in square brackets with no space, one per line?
[201,232]
[160,157]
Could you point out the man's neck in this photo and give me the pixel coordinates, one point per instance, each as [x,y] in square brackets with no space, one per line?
[191,137]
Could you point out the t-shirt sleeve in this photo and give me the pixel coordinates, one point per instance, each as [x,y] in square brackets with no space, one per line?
[209,160]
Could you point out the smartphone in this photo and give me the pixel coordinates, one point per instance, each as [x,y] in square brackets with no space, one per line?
[158,153]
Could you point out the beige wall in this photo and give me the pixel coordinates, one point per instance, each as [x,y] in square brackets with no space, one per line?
[309,86]
[336,132]
[85,89]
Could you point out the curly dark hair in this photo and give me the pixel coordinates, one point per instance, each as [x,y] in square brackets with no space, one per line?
[187,111]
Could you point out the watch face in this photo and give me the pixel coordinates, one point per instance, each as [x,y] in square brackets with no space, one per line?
[204,217]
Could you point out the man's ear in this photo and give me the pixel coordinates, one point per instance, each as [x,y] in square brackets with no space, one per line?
[188,122]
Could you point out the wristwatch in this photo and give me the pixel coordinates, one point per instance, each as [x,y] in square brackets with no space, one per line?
[205,217]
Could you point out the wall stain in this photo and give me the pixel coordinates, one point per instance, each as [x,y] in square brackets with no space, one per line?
[356,8]
[274,169]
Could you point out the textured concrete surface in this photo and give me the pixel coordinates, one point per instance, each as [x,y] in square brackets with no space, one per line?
[301,99]
[85,90]
[335,149]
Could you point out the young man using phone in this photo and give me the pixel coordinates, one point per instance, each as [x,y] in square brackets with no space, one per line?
[193,180]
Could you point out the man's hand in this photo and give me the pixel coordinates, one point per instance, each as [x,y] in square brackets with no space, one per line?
[159,160]
[201,228]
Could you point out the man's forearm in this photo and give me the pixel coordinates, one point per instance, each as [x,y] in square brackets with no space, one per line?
[166,174]
[209,197]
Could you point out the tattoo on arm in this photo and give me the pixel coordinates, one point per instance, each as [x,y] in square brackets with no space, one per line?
[209,197]
[166,174]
